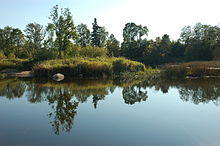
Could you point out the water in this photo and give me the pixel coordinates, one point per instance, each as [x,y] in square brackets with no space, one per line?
[109,113]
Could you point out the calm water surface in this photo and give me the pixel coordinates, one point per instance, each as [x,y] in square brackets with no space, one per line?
[109,113]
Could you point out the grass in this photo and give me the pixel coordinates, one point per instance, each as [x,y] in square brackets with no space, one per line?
[13,64]
[88,67]
[191,69]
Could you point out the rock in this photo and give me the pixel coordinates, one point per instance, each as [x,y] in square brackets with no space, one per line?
[23,74]
[58,77]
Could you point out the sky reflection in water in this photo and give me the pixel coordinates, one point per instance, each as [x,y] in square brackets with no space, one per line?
[93,112]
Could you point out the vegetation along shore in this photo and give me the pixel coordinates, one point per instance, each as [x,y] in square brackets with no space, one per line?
[77,51]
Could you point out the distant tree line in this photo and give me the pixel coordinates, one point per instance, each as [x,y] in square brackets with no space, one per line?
[62,39]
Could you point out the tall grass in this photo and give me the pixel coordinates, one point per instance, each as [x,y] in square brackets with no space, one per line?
[87,67]
[13,64]
[191,69]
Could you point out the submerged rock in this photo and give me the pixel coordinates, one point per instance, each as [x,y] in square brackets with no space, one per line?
[58,77]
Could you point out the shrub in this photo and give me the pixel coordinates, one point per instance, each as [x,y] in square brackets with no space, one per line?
[73,50]
[43,54]
[2,56]
[11,56]
[93,52]
[122,65]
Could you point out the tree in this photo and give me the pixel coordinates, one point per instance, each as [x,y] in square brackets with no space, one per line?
[103,36]
[35,35]
[83,35]
[133,32]
[11,40]
[165,45]
[113,47]
[6,40]
[177,49]
[95,37]
[200,41]
[186,34]
[98,35]
[133,45]
[63,26]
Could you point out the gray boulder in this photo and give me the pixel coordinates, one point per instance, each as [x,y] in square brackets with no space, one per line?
[58,77]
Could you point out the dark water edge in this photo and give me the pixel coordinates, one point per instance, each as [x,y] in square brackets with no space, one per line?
[157,111]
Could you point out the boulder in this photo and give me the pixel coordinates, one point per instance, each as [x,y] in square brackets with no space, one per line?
[58,77]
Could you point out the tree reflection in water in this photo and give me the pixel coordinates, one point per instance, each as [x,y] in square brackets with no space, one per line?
[134,94]
[197,91]
[64,110]
[12,88]
[64,97]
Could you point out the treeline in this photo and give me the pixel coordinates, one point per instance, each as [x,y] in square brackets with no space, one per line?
[201,42]
[62,39]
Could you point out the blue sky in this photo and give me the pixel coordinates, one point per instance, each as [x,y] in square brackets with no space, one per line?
[160,16]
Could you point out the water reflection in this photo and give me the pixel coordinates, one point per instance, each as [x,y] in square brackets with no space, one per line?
[64,110]
[65,97]
[12,88]
[197,91]
[134,94]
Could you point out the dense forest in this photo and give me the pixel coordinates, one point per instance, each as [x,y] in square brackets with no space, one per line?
[62,39]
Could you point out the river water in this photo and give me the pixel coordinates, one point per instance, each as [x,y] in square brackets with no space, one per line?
[110,113]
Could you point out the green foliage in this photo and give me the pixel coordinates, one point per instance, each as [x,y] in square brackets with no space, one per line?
[122,65]
[83,35]
[43,54]
[2,55]
[35,35]
[133,32]
[177,49]
[93,52]
[11,40]
[73,51]
[11,56]
[113,46]
[200,40]
[61,39]
[133,46]
[98,35]
[13,64]
[63,27]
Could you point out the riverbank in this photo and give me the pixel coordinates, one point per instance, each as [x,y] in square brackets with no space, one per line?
[191,69]
[120,68]
[88,67]
[117,68]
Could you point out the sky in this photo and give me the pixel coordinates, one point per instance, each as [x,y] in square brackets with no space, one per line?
[160,16]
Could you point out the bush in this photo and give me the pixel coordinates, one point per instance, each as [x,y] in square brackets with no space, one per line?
[93,52]
[73,50]
[122,65]
[43,54]
[11,56]
[2,56]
